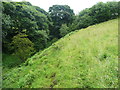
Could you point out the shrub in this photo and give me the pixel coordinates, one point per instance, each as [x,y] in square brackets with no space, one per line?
[63,30]
[22,46]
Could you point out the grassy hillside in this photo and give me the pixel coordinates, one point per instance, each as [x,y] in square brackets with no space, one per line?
[85,58]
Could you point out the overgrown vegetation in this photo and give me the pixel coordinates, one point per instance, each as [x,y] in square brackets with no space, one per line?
[43,28]
[22,46]
[85,58]
[22,16]
[98,13]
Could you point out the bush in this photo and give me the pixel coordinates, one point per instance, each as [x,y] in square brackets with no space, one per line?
[63,30]
[22,46]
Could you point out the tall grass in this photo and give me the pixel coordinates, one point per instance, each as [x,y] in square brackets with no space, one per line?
[85,58]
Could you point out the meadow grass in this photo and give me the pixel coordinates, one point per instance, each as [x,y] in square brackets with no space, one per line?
[86,58]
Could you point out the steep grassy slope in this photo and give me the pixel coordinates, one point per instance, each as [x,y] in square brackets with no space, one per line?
[84,58]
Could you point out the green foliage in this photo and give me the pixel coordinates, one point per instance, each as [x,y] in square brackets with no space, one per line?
[84,19]
[81,59]
[10,61]
[63,30]
[6,25]
[40,39]
[60,14]
[74,61]
[22,46]
[113,9]
[18,16]
[98,13]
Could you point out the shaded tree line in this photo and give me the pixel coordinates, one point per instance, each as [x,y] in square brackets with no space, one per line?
[27,29]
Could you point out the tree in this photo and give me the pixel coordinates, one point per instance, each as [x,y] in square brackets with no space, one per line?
[22,46]
[64,30]
[60,14]
[19,16]
[40,39]
[84,18]
[6,32]
[100,12]
[113,9]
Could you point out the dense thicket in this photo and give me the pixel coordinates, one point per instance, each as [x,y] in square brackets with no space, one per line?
[22,17]
[42,28]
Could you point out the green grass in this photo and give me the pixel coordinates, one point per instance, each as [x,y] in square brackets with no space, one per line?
[10,61]
[86,58]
